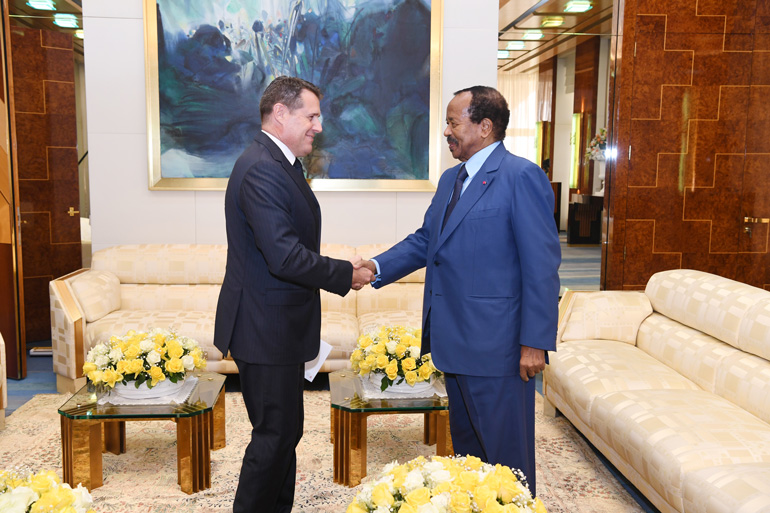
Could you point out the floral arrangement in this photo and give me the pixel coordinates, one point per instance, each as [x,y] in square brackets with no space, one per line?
[462,484]
[394,352]
[597,145]
[41,492]
[143,358]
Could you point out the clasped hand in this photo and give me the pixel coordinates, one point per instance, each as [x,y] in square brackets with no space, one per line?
[363,272]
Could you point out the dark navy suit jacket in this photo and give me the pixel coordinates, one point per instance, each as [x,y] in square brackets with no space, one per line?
[269,309]
[491,282]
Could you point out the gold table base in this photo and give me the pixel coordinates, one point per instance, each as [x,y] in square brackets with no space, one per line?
[84,440]
[349,438]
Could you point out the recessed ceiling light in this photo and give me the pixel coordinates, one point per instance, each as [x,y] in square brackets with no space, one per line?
[578,6]
[503,54]
[43,5]
[533,35]
[65,20]
[515,45]
[552,21]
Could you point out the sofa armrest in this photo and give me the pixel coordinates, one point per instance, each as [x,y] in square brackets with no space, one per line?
[67,328]
[602,315]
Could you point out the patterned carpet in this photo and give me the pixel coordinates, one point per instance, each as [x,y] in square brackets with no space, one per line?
[570,477]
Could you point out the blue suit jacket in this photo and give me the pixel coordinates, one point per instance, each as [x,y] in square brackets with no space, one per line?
[491,282]
[269,309]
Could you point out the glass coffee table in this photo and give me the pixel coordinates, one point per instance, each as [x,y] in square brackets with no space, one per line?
[87,428]
[349,412]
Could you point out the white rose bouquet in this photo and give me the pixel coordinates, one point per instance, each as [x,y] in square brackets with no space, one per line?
[41,492]
[143,358]
[393,352]
[446,485]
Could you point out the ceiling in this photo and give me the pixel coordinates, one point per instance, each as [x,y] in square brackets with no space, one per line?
[23,15]
[519,16]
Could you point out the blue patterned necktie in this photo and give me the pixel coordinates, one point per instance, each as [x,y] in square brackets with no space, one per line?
[461,176]
[298,167]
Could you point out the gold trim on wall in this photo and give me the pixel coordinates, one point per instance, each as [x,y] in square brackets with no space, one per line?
[158,182]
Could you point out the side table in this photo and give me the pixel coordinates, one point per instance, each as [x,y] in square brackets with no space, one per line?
[349,413]
[87,428]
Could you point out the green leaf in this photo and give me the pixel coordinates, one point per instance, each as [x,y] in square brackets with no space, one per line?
[385,383]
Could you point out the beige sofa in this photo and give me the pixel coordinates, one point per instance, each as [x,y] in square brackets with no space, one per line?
[3,384]
[672,385]
[177,286]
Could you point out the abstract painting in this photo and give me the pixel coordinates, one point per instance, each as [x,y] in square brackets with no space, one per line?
[208,64]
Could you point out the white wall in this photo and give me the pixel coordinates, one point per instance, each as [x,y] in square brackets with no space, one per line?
[125,211]
[565,94]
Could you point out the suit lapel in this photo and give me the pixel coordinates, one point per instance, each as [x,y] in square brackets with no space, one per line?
[476,189]
[298,180]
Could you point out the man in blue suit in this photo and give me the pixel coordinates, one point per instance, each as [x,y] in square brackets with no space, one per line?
[269,310]
[491,285]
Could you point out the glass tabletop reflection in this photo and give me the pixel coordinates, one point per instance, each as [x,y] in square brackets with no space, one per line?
[347,394]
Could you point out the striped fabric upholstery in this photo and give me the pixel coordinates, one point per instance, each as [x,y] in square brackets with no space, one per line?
[153,297]
[164,263]
[706,302]
[397,297]
[586,369]
[97,292]
[755,330]
[744,379]
[689,352]
[666,434]
[741,488]
[606,316]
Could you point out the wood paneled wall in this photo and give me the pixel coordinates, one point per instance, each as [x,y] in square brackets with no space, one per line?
[692,81]
[585,100]
[46,163]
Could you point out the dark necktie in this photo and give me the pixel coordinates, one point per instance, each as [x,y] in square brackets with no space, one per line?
[461,176]
[298,167]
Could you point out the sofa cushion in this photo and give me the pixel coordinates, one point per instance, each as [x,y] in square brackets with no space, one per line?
[164,263]
[340,329]
[742,488]
[372,321]
[201,297]
[196,325]
[398,297]
[744,380]
[97,293]
[754,334]
[582,370]
[693,354]
[666,434]
[610,315]
[706,302]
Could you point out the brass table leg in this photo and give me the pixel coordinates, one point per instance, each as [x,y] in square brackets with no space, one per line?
[193,441]
[429,429]
[443,436]
[218,433]
[82,452]
[115,436]
[349,447]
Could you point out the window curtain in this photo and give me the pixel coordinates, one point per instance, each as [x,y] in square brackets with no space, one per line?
[520,91]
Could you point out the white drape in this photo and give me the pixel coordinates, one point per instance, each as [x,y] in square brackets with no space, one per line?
[520,91]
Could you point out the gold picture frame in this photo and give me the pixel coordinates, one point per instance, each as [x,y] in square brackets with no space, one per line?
[159,181]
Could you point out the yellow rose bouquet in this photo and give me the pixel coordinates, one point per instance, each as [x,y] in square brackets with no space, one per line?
[144,358]
[41,492]
[393,352]
[462,484]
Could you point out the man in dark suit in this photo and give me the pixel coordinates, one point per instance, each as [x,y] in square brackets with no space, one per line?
[491,283]
[269,310]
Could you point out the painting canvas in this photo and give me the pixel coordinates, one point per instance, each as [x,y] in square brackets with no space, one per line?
[209,63]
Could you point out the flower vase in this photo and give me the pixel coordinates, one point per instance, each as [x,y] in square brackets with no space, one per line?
[400,388]
[164,388]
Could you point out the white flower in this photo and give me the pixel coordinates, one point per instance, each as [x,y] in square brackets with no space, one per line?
[414,480]
[390,345]
[390,466]
[146,345]
[441,502]
[100,349]
[188,362]
[102,361]
[439,476]
[83,500]
[116,355]
[429,508]
[382,509]
[189,343]
[365,495]
[18,500]
[414,351]
[153,357]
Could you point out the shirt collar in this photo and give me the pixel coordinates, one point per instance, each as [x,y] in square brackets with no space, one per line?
[285,149]
[474,163]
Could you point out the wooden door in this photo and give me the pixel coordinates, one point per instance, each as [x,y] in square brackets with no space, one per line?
[45,140]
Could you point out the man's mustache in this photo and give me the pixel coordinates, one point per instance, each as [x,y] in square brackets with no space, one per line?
[451,140]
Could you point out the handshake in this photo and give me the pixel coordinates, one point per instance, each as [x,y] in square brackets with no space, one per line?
[363,272]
